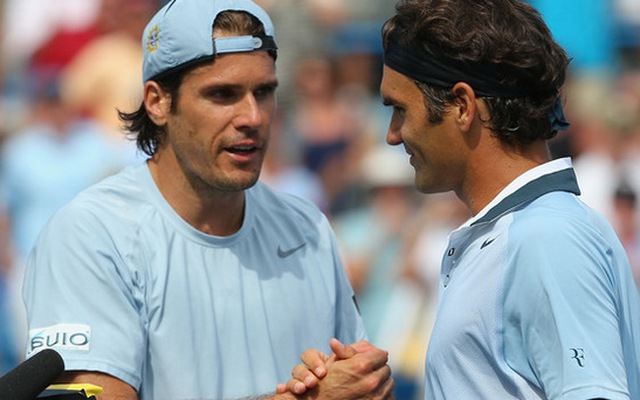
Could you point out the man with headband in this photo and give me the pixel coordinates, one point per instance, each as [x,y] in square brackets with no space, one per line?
[536,297]
[183,277]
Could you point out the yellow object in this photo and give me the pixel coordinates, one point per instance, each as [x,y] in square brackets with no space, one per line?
[89,389]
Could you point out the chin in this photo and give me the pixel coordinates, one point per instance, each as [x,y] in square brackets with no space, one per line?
[243,182]
[429,187]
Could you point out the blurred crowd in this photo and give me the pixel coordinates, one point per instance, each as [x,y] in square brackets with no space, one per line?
[68,65]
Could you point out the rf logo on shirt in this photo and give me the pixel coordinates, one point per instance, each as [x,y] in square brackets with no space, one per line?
[578,355]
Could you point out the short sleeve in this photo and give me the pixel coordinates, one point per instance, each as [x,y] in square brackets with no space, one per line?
[560,318]
[81,298]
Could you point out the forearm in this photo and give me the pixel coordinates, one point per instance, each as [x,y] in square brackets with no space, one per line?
[113,388]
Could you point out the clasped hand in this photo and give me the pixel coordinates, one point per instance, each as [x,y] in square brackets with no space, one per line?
[356,371]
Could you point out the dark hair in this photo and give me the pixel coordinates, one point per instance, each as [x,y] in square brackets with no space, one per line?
[509,33]
[139,126]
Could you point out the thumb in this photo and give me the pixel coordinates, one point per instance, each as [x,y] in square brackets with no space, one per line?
[342,351]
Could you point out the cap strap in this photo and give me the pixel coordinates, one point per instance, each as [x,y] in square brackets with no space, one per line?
[239,44]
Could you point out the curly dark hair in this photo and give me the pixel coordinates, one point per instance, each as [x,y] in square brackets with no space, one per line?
[139,126]
[508,33]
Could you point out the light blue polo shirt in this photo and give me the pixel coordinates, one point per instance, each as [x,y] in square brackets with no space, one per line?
[536,300]
[119,283]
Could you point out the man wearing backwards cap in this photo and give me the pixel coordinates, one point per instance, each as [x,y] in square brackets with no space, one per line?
[184,278]
[536,295]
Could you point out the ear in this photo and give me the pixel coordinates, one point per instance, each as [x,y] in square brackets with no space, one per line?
[157,102]
[465,106]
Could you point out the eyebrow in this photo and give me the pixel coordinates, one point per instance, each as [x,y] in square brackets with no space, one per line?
[271,84]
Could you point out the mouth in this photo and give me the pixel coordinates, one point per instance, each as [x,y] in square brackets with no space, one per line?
[412,159]
[406,150]
[244,153]
[242,149]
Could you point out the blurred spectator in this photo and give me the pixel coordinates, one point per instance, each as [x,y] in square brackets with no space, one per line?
[326,130]
[357,50]
[9,356]
[629,11]
[420,259]
[302,29]
[605,134]
[283,171]
[38,34]
[370,10]
[41,168]
[47,163]
[106,76]
[28,24]
[371,239]
[9,352]
[627,225]
[627,15]
[591,142]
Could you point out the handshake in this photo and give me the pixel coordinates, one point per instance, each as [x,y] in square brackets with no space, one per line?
[356,371]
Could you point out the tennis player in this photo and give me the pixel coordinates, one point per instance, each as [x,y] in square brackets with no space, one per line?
[536,300]
[183,277]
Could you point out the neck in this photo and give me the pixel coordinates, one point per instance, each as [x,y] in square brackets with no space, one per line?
[212,212]
[492,170]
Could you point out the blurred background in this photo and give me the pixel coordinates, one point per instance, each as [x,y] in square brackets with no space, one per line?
[67,65]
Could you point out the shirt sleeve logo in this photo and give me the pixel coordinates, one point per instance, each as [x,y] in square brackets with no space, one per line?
[577,353]
[60,337]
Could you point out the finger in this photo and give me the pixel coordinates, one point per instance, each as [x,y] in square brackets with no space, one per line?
[281,388]
[295,386]
[370,360]
[341,350]
[385,374]
[302,375]
[388,389]
[385,386]
[362,345]
[315,362]
[377,357]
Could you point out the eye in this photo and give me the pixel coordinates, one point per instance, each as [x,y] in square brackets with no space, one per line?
[221,94]
[265,92]
[399,111]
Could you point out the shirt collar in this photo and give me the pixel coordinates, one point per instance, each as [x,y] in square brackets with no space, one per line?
[556,175]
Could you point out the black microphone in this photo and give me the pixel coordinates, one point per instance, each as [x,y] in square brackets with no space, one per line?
[30,378]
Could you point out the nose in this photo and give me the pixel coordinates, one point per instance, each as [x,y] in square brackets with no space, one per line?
[249,114]
[393,137]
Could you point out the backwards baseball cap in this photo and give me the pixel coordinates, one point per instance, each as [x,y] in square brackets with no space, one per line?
[182,32]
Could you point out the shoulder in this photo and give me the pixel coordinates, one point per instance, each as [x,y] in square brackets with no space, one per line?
[558,238]
[559,219]
[285,205]
[115,200]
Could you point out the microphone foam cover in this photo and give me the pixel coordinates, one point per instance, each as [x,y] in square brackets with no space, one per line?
[30,378]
